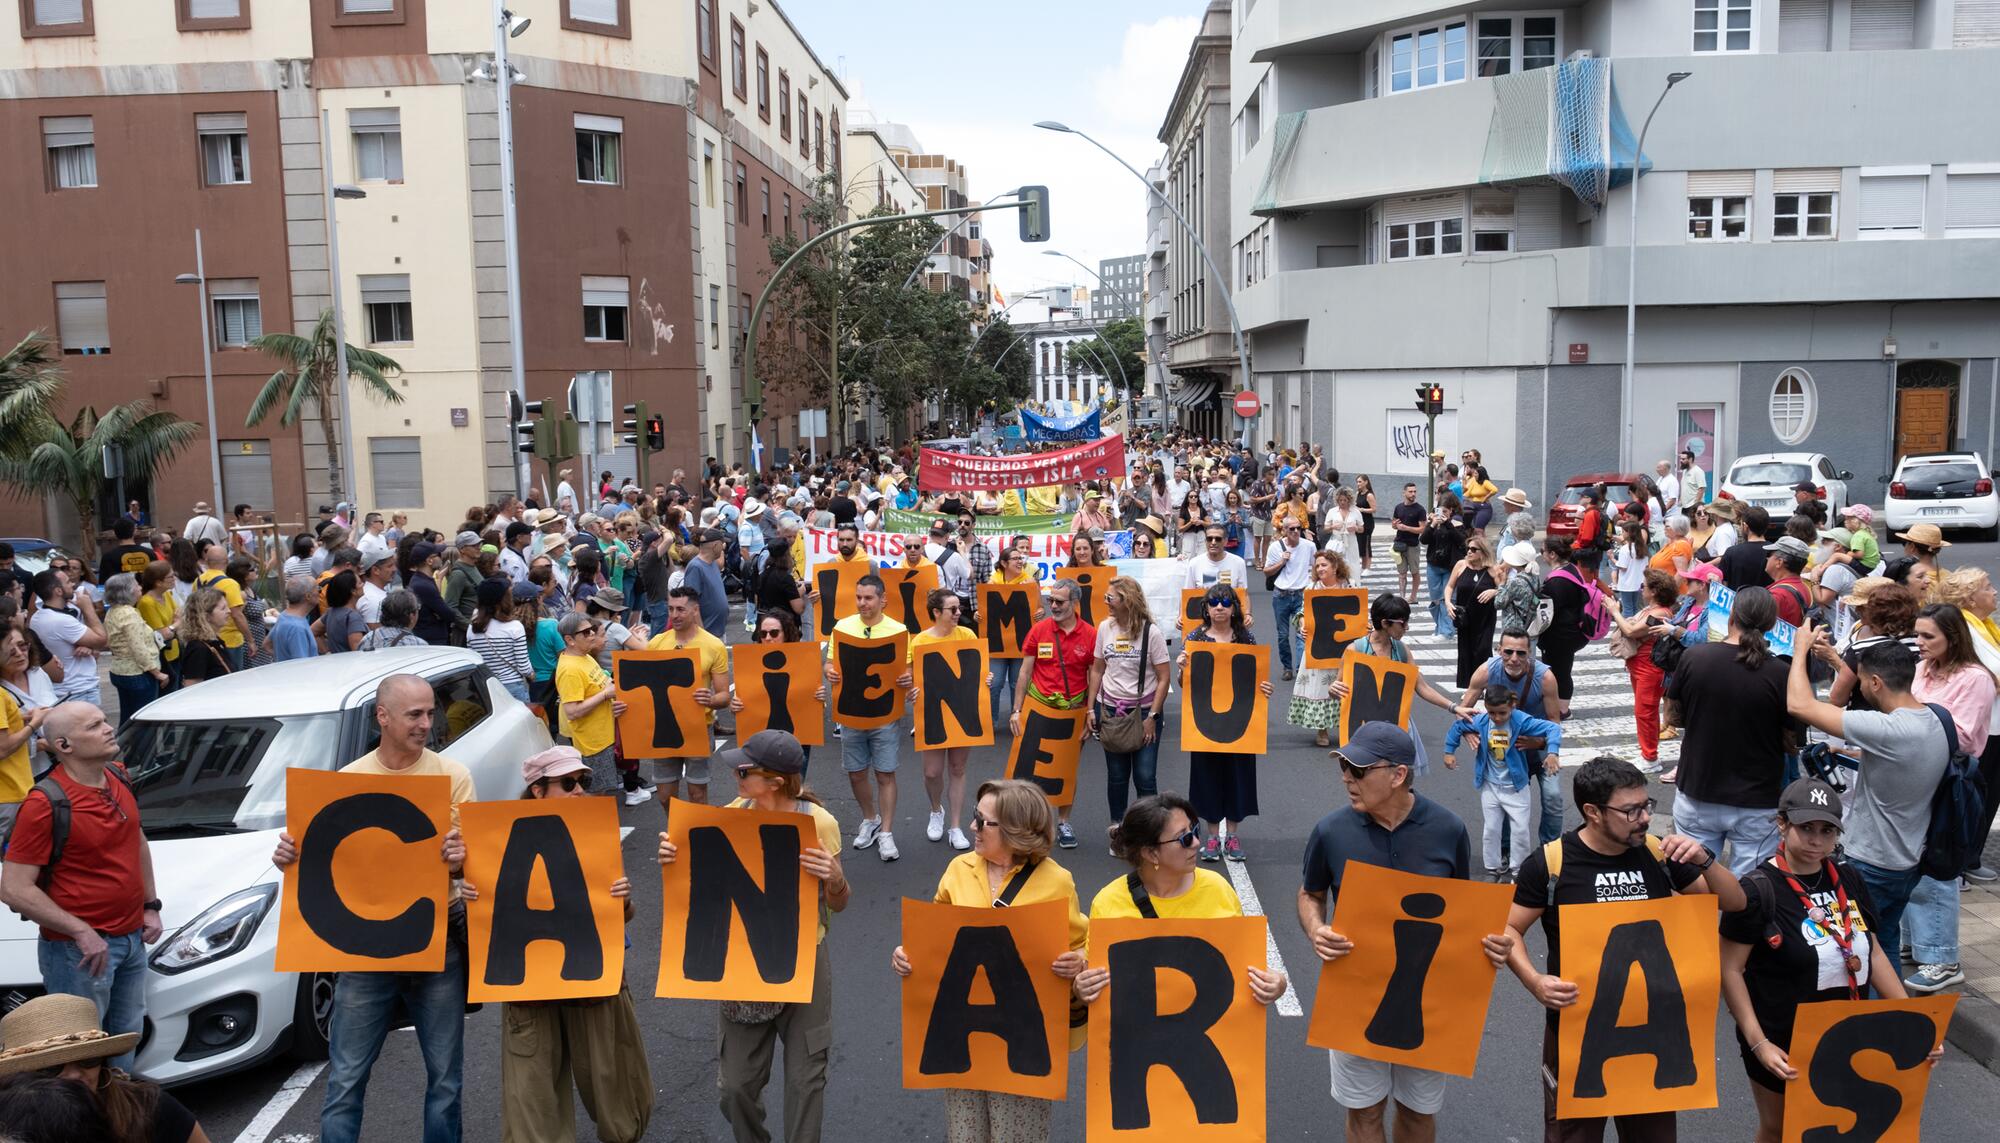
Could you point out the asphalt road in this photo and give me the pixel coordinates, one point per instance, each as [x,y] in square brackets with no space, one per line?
[1297,785]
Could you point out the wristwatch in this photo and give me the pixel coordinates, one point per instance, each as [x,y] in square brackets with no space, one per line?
[153,905]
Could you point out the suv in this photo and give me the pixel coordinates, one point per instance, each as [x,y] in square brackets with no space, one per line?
[1566,509]
[1949,489]
[1767,479]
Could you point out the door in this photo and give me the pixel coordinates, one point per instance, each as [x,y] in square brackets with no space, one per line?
[1923,421]
[1695,433]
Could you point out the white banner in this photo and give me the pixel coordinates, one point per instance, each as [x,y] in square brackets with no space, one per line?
[1405,452]
[1046,553]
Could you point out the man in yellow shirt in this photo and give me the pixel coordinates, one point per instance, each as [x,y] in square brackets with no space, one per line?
[865,751]
[684,630]
[589,709]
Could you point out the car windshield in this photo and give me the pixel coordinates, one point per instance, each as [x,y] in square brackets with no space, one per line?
[1573,494]
[1770,472]
[1955,476]
[225,774]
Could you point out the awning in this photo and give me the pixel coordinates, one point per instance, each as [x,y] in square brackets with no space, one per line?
[1193,392]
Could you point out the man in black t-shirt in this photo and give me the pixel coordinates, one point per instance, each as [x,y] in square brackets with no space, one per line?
[1407,520]
[842,505]
[1611,857]
[126,557]
[1743,564]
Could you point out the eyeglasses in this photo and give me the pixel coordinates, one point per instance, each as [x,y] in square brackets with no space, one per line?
[1356,773]
[1186,839]
[1506,654]
[1632,812]
[978,823]
[570,783]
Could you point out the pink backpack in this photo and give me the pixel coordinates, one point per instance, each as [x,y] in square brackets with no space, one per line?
[1596,609]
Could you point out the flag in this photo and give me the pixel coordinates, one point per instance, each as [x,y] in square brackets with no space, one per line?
[998,300]
[756,449]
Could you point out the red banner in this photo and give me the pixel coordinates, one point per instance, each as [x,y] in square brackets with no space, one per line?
[1099,460]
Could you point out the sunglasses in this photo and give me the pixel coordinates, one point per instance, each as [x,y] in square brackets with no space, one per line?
[745,769]
[569,782]
[1357,773]
[1506,654]
[1632,813]
[1222,601]
[978,823]
[775,634]
[1186,839]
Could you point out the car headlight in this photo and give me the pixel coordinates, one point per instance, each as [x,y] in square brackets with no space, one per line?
[221,930]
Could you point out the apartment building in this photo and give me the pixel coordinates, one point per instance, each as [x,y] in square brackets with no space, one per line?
[655,147]
[1151,400]
[1120,282]
[1201,346]
[1426,192]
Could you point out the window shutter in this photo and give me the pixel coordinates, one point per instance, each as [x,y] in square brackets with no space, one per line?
[607,291]
[1804,25]
[398,471]
[1423,209]
[1972,202]
[604,124]
[380,288]
[49,12]
[68,131]
[1716,184]
[1896,202]
[594,11]
[225,123]
[1977,25]
[371,119]
[1806,180]
[215,9]
[81,315]
[1882,25]
[1537,219]
[246,473]
[367,5]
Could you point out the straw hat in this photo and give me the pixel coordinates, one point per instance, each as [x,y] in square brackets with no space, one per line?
[1929,535]
[1154,525]
[1517,499]
[1721,509]
[1865,587]
[50,1031]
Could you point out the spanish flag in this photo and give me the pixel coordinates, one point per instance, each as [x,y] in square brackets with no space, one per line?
[997,299]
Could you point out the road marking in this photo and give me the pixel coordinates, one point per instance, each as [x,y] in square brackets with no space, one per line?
[1288,1004]
[272,1113]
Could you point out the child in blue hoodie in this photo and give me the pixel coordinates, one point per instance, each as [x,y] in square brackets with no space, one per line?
[1500,771]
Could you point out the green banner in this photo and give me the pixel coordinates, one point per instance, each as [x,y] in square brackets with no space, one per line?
[905,522]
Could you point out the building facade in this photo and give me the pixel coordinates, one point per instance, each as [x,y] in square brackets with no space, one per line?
[1806,280]
[1201,348]
[1120,282]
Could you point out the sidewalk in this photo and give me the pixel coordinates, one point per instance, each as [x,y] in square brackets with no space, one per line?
[1975,1026]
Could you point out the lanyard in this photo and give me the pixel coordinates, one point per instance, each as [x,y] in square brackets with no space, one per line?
[1842,931]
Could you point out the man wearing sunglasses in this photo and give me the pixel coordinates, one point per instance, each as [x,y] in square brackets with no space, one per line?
[1535,695]
[1611,857]
[1386,823]
[1059,649]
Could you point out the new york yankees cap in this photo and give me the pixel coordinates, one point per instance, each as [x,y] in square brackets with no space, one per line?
[1810,800]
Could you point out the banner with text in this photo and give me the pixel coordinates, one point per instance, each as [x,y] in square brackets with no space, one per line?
[1102,459]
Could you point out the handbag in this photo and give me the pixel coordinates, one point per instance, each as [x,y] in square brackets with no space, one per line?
[1125,733]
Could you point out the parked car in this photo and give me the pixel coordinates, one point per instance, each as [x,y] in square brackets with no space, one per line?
[207,765]
[33,555]
[1566,507]
[1949,489]
[1767,480]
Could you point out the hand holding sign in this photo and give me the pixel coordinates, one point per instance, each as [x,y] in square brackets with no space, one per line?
[1376,690]
[775,689]
[867,679]
[953,705]
[547,925]
[1012,1034]
[367,883]
[1225,701]
[1865,1063]
[1333,618]
[739,912]
[661,718]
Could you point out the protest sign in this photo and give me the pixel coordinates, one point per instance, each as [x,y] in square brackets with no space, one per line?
[1194,608]
[1223,710]
[1720,600]
[908,590]
[1044,554]
[739,916]
[982,1011]
[939,471]
[867,696]
[1006,612]
[909,523]
[1416,987]
[1378,690]
[835,582]
[1161,581]
[1863,1068]
[776,683]
[369,890]
[1333,618]
[1648,977]
[1048,748]
[661,718]
[1090,584]
[953,706]
[544,925]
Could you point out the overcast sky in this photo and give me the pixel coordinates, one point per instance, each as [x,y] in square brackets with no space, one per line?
[971,83]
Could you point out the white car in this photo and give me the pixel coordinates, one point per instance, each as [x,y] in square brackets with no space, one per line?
[208,767]
[1949,489]
[1767,479]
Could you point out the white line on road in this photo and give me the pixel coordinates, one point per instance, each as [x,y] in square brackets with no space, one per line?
[1288,1004]
[272,1113]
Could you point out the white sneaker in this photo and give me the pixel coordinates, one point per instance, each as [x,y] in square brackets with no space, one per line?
[888,847]
[871,829]
[935,830]
[638,797]
[958,839]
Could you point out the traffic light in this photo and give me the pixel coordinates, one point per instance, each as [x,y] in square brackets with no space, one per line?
[656,433]
[534,436]
[638,428]
[1423,398]
[1430,400]
[1034,214]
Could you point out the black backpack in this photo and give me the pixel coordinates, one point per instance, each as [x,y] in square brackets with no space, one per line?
[59,813]
[1958,811]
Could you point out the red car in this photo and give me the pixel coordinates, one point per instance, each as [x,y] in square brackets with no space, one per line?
[1567,507]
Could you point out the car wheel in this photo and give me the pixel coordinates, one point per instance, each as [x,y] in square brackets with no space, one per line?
[1986,535]
[312,1016]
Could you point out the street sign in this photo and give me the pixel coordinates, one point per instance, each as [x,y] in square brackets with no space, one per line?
[1579,353]
[1247,404]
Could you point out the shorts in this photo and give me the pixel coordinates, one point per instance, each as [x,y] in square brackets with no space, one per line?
[693,771]
[1408,559]
[876,749]
[1259,526]
[1360,1083]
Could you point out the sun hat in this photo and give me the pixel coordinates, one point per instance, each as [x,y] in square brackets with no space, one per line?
[1789,546]
[1929,535]
[552,763]
[1517,499]
[1152,524]
[607,599]
[1725,509]
[1864,587]
[53,1030]
[1518,555]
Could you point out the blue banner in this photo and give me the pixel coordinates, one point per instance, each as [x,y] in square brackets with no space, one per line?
[1083,428]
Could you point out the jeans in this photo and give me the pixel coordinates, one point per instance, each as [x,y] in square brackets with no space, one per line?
[236,656]
[1933,921]
[656,616]
[1552,804]
[134,691]
[1139,769]
[1285,608]
[363,1003]
[1752,834]
[119,991]
[1434,580]
[1890,889]
[1006,680]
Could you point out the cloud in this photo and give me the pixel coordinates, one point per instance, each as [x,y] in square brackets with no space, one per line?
[1133,94]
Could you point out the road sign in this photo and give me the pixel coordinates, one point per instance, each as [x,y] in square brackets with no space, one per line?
[1247,404]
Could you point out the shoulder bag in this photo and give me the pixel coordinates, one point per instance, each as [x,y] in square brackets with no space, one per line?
[1125,732]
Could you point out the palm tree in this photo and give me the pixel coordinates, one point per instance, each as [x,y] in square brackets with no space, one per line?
[44,457]
[311,363]
[29,381]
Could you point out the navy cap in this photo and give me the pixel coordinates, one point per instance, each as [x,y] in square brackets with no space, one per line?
[1378,744]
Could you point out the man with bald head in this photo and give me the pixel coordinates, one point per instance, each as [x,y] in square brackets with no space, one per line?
[97,911]
[364,1002]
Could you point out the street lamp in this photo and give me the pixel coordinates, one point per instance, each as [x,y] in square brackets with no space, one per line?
[506,26]
[199,279]
[1221,280]
[1632,283]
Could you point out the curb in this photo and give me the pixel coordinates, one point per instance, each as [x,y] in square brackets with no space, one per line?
[1975,1030]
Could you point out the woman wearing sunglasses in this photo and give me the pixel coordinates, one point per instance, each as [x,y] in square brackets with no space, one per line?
[1388,623]
[945,609]
[776,625]
[1012,830]
[593,1045]
[58,1037]
[1222,786]
[770,768]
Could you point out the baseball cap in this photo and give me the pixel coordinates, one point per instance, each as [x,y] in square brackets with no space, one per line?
[423,552]
[1840,536]
[466,540]
[1861,512]
[1806,486]
[715,536]
[518,529]
[1789,546]
[552,763]
[375,556]
[523,592]
[1378,744]
[1810,800]
[1702,573]
[775,750]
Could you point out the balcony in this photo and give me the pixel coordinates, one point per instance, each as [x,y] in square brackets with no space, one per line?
[1279,28]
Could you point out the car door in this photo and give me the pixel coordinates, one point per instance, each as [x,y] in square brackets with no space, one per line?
[1836,488]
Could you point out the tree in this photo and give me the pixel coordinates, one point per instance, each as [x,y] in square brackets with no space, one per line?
[1121,342]
[311,363]
[1008,378]
[29,381]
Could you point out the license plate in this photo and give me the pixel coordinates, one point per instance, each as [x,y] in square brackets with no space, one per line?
[1937,511]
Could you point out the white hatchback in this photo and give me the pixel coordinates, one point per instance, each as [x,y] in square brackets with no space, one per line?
[208,766]
[1949,489]
[1767,479]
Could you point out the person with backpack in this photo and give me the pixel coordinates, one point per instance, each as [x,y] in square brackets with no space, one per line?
[1732,697]
[78,866]
[1610,857]
[1571,594]
[1786,560]
[1911,786]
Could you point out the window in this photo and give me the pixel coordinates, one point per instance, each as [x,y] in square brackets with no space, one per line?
[1794,402]
[764,204]
[1719,219]
[763,84]
[1428,239]
[1882,25]
[784,105]
[599,17]
[385,304]
[1892,203]
[1426,57]
[57,18]
[225,148]
[598,140]
[1803,216]
[396,468]
[211,15]
[1723,25]
[1492,221]
[805,145]
[743,313]
[704,29]
[1250,122]
[1972,203]
[739,76]
[707,173]
[742,196]
[834,142]
[238,317]
[378,144]
[1503,52]
[788,215]
[715,317]
[605,302]
[819,140]
[71,141]
[82,323]
[365,7]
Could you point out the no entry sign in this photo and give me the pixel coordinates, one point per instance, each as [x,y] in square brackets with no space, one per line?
[1247,404]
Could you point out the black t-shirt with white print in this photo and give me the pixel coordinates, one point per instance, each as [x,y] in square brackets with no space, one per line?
[1589,877]
[1806,966]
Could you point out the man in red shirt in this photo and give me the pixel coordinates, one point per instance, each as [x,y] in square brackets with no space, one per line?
[1786,560]
[1059,649]
[96,907]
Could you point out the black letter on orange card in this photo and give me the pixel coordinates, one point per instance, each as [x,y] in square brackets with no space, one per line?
[1142,1037]
[1031,755]
[404,934]
[1015,1014]
[1399,1020]
[1007,611]
[862,694]
[658,677]
[778,685]
[1664,1035]
[516,924]
[719,887]
[951,682]
[1327,616]
[1225,725]
[1376,697]
[1905,1037]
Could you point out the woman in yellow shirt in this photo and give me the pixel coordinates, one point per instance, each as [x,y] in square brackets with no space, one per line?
[1012,830]
[159,609]
[1479,489]
[945,608]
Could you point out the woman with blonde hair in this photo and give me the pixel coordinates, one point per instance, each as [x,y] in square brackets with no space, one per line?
[199,630]
[1128,685]
[1012,831]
